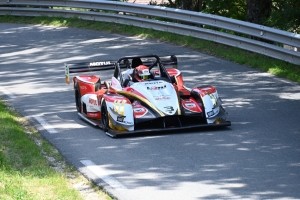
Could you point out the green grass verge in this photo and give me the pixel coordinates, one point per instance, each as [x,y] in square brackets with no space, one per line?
[264,63]
[25,172]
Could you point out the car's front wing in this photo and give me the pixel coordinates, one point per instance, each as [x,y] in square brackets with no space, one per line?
[116,133]
[164,124]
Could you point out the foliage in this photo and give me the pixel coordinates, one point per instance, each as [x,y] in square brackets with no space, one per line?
[285,15]
[281,14]
[227,8]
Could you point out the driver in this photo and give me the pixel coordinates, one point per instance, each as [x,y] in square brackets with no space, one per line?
[141,73]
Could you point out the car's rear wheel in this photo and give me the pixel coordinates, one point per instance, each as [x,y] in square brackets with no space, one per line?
[77,97]
[104,117]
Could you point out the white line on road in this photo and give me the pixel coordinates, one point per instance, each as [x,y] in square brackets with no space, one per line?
[102,173]
[10,95]
[45,124]
[40,119]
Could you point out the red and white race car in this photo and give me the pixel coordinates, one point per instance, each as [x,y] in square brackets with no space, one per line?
[145,94]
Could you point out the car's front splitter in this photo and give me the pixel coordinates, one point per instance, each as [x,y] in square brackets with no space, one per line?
[116,133]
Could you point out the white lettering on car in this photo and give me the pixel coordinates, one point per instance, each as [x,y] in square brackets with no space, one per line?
[99,63]
[191,105]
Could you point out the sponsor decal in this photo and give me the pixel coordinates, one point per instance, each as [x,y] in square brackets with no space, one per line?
[67,73]
[93,102]
[190,105]
[139,110]
[99,63]
[126,122]
[120,118]
[145,71]
[153,82]
[162,98]
[93,114]
[156,87]
[211,113]
[83,87]
[116,97]
[129,123]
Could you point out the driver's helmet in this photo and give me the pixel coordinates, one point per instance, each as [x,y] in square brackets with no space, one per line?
[142,72]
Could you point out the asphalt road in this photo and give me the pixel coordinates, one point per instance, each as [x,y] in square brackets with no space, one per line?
[258,157]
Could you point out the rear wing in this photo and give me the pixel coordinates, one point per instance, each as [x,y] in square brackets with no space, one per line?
[167,61]
[87,67]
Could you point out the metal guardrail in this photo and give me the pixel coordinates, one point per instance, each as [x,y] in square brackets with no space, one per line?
[170,20]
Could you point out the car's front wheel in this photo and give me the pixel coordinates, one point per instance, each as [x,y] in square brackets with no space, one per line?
[104,117]
[77,97]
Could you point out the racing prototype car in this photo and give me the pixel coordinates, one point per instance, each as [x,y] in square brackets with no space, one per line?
[145,94]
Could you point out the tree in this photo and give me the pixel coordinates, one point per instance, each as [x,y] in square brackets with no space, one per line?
[258,11]
[285,15]
[193,5]
[281,14]
[228,8]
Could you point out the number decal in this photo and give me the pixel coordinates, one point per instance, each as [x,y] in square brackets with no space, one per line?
[169,109]
[118,106]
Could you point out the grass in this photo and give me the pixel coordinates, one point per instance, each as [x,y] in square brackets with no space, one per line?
[25,171]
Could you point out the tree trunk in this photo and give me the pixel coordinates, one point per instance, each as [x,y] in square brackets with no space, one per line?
[192,5]
[258,10]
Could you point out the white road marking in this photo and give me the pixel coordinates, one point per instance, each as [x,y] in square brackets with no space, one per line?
[45,124]
[10,95]
[101,173]
[40,119]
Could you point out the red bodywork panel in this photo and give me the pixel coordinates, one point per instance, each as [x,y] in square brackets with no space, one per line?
[205,90]
[180,88]
[191,105]
[86,83]
[139,110]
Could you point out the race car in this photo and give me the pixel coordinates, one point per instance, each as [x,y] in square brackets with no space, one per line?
[145,94]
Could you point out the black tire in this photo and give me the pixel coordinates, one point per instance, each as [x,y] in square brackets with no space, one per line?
[104,117]
[77,97]
[97,86]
